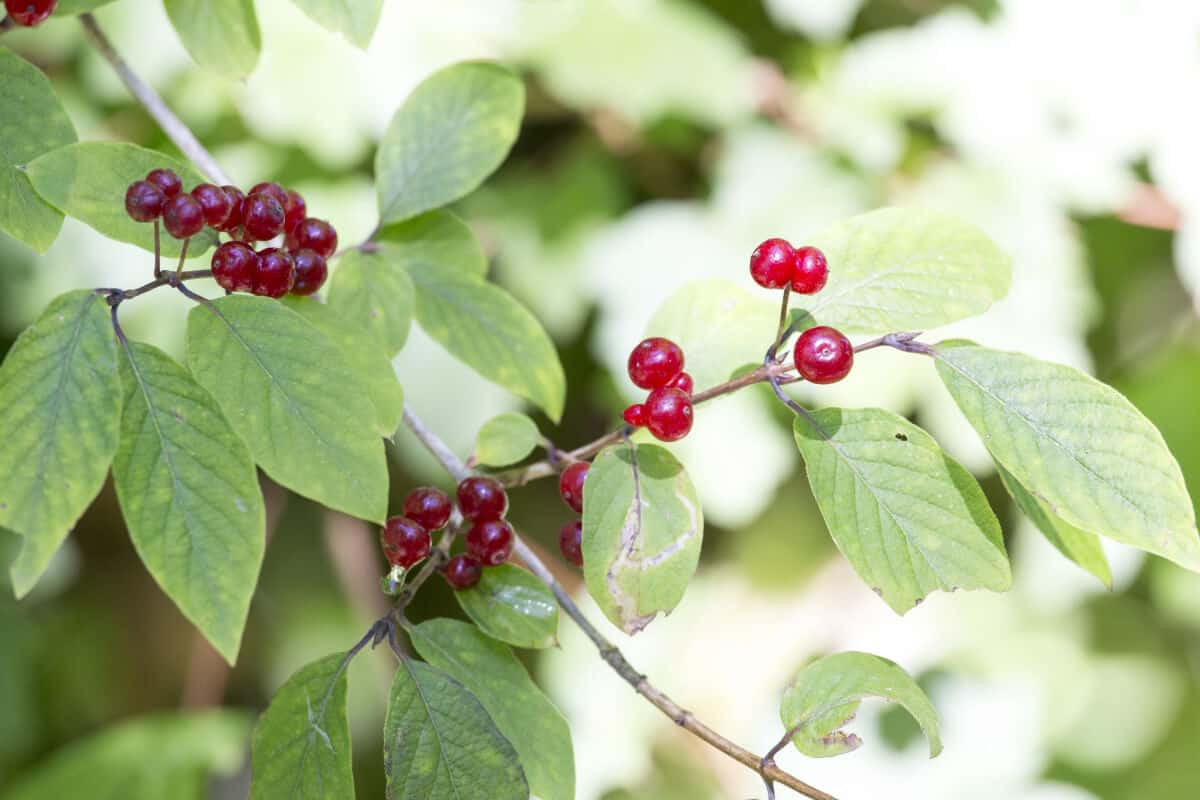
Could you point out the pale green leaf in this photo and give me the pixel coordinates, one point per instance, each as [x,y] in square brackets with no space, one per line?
[455,128]
[436,237]
[72,7]
[908,518]
[220,35]
[189,493]
[374,292]
[642,530]
[512,606]
[506,439]
[285,389]
[356,19]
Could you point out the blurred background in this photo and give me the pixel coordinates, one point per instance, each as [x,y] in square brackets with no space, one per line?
[664,139]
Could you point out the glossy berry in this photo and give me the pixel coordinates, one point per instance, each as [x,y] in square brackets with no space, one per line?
[313,234]
[237,201]
[823,355]
[491,541]
[810,270]
[654,362]
[295,210]
[235,266]
[668,414]
[215,203]
[570,485]
[404,541]
[771,264]
[635,415]
[682,382]
[311,272]
[273,189]
[262,216]
[167,180]
[28,13]
[481,498]
[428,506]
[144,201]
[570,542]
[275,274]
[183,216]
[463,571]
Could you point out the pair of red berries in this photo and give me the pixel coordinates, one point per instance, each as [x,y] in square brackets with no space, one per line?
[570,488]
[657,364]
[775,264]
[28,13]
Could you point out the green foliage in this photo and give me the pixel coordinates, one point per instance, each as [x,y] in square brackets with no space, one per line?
[190,496]
[908,517]
[221,35]
[71,7]
[825,695]
[284,388]
[302,741]
[512,606]
[440,744]
[642,531]
[437,237]
[60,402]
[506,439]
[374,291]
[356,19]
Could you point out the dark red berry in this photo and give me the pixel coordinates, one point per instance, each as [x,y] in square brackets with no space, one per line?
[275,274]
[654,362]
[771,264]
[404,541]
[682,382]
[481,498]
[313,234]
[28,13]
[182,216]
[237,201]
[167,180]
[668,414]
[235,266]
[823,355]
[635,415]
[215,202]
[273,189]
[428,506]
[570,542]
[295,209]
[570,484]
[144,201]
[491,541]
[463,571]
[262,216]
[311,272]
[810,270]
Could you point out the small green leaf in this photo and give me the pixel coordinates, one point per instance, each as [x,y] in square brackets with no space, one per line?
[189,493]
[908,517]
[642,530]
[525,716]
[512,606]
[220,35]
[440,744]
[825,695]
[375,292]
[437,237]
[356,19]
[88,181]
[60,407]
[905,269]
[506,439]
[32,122]
[1077,445]
[73,7]
[285,389]
[455,128]
[302,741]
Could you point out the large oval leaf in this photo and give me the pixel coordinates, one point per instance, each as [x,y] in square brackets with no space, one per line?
[220,35]
[513,606]
[642,529]
[373,292]
[357,19]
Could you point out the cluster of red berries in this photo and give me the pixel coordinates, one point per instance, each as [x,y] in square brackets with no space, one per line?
[570,487]
[28,13]
[261,214]
[657,364]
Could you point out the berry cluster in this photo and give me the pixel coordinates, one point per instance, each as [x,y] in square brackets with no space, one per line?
[657,364]
[570,487]
[262,214]
[28,13]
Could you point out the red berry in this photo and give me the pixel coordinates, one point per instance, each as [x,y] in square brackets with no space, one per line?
[405,542]
[654,362]
[463,571]
[570,542]
[682,382]
[810,270]
[28,13]
[428,506]
[491,541]
[262,216]
[182,216]
[311,272]
[570,484]
[635,415]
[167,180]
[313,234]
[275,274]
[482,498]
[144,201]
[823,355]
[771,264]
[214,202]
[237,203]
[235,266]
[273,189]
[668,414]
[296,210]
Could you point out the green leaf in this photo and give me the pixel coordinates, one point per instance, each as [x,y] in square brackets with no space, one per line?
[302,741]
[220,35]
[642,530]
[455,128]
[485,328]
[189,493]
[525,716]
[362,354]
[32,122]
[88,181]
[825,695]
[908,517]
[60,406]
[512,606]
[1076,445]
[440,744]
[356,19]
[1079,546]
[437,237]
[73,7]
[506,439]
[905,269]
[376,292]
[284,388]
